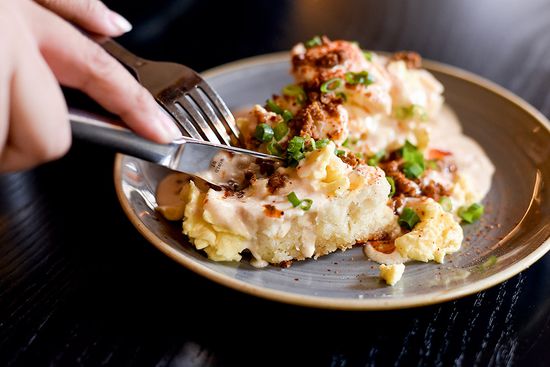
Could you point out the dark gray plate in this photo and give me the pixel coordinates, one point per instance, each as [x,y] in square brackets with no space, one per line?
[515,230]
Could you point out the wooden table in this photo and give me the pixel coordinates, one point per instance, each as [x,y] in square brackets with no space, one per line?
[80,286]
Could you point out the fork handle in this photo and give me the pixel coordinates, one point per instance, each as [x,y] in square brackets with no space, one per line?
[122,54]
[100,130]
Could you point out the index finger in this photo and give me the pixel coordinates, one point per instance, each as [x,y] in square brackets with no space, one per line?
[80,63]
[91,15]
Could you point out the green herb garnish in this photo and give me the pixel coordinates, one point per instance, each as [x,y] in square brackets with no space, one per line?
[392,184]
[446,203]
[303,204]
[331,85]
[362,77]
[315,41]
[294,90]
[264,133]
[408,218]
[410,112]
[280,130]
[274,107]
[471,213]
[375,159]
[413,159]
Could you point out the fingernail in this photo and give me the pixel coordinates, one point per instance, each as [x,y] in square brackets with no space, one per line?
[168,126]
[119,22]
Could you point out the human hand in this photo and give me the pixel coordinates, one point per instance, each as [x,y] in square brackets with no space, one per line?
[41,49]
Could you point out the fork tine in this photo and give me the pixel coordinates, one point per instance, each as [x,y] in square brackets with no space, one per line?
[222,109]
[212,118]
[185,125]
[198,119]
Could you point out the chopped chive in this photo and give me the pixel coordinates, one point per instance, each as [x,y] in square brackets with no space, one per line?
[293,199]
[312,145]
[274,107]
[306,204]
[339,152]
[446,203]
[410,112]
[342,95]
[274,148]
[368,55]
[362,77]
[315,41]
[412,170]
[471,213]
[321,143]
[414,160]
[264,132]
[346,143]
[287,115]
[331,85]
[392,184]
[293,90]
[280,130]
[296,144]
[408,218]
[375,159]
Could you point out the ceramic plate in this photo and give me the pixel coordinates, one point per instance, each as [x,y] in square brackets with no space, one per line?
[512,235]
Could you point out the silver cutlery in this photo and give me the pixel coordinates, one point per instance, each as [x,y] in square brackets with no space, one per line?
[215,165]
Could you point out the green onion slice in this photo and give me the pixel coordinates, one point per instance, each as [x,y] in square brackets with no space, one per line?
[412,170]
[287,115]
[306,204]
[331,85]
[321,143]
[303,204]
[446,203]
[264,132]
[342,95]
[368,55]
[392,184]
[362,77]
[280,130]
[274,107]
[274,148]
[339,152]
[408,218]
[293,90]
[414,160]
[293,199]
[315,41]
[375,159]
[296,144]
[471,213]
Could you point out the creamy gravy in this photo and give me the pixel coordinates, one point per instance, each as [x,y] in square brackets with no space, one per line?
[471,160]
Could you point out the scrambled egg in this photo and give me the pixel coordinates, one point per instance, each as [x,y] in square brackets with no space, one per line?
[391,273]
[436,235]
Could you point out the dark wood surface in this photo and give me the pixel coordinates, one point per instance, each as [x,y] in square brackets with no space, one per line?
[80,287]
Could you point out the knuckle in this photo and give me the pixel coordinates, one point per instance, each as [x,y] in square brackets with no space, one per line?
[99,65]
[140,102]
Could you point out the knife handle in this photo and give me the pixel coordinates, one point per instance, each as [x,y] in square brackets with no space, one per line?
[101,130]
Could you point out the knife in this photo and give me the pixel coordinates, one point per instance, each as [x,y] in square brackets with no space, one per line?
[218,166]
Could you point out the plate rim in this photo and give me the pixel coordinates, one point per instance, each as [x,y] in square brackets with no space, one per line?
[364,304]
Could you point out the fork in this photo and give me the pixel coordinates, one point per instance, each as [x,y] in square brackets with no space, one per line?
[184,94]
